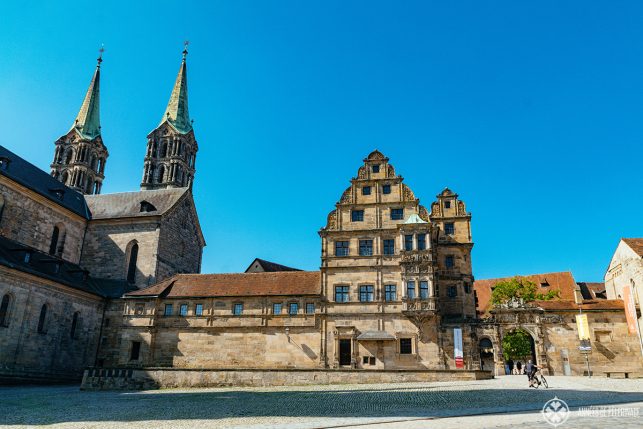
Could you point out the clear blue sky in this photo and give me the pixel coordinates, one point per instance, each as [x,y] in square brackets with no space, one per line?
[532,113]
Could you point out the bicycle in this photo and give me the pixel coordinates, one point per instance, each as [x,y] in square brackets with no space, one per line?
[535,382]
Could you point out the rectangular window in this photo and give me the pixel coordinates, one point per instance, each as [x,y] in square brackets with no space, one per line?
[376,168]
[237,310]
[366,190]
[449,228]
[424,289]
[341,248]
[357,215]
[310,308]
[390,294]
[406,346]
[410,290]
[408,242]
[139,309]
[276,308]
[447,204]
[421,238]
[397,214]
[168,310]
[341,293]
[389,247]
[467,288]
[365,360]
[448,261]
[293,308]
[386,189]
[366,248]
[452,291]
[183,310]
[366,293]
[136,350]
[372,360]
[198,310]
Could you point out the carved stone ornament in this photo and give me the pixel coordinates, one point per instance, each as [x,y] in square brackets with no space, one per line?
[424,214]
[435,209]
[361,173]
[461,209]
[331,222]
[346,196]
[390,171]
[407,193]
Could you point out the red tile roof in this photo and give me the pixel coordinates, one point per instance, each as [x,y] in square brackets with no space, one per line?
[635,244]
[594,304]
[563,282]
[237,284]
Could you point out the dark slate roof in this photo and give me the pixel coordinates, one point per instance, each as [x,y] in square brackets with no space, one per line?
[30,176]
[271,267]
[128,204]
[41,264]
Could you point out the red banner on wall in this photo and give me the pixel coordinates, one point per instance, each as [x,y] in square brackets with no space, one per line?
[630,309]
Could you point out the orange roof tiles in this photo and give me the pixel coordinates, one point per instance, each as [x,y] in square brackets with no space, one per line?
[563,282]
[237,284]
[595,304]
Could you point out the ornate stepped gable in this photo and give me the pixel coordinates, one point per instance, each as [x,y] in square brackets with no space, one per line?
[80,155]
[172,147]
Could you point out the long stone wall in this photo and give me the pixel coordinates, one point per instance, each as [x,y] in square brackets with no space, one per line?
[156,378]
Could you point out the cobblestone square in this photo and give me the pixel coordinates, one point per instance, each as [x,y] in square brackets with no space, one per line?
[502,402]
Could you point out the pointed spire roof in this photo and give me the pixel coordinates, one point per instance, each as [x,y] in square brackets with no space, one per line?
[87,121]
[176,113]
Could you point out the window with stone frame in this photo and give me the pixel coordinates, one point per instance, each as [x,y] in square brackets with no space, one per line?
[310,308]
[342,248]
[421,239]
[449,262]
[183,310]
[467,287]
[237,309]
[342,294]
[42,319]
[449,228]
[408,242]
[386,189]
[390,293]
[4,310]
[366,248]
[375,168]
[424,289]
[168,310]
[293,308]
[397,214]
[389,247]
[410,290]
[406,346]
[198,309]
[366,293]
[452,292]
[357,215]
[135,350]
[74,325]
[366,190]
[447,204]
[276,308]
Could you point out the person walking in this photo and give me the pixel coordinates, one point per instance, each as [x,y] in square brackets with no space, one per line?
[519,367]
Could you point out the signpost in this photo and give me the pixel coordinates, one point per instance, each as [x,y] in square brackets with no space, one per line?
[583,335]
[457,348]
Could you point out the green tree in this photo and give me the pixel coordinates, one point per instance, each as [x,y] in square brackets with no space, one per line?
[519,287]
[516,345]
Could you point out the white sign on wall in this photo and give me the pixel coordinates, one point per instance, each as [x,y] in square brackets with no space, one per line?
[457,348]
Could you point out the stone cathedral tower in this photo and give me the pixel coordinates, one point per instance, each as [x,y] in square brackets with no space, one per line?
[171,147]
[80,155]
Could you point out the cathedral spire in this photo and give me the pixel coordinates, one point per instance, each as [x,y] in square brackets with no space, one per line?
[176,112]
[87,121]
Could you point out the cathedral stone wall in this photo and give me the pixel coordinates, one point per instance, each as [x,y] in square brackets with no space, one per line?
[29,218]
[180,243]
[51,353]
[108,243]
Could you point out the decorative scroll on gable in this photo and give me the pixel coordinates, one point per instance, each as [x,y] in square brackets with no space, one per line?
[390,170]
[331,220]
[461,209]
[435,209]
[424,214]
[407,193]
[347,196]
[361,173]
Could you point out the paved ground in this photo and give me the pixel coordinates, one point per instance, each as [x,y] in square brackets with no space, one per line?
[505,402]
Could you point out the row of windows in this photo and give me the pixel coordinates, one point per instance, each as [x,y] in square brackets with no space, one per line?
[386,189]
[5,307]
[342,293]
[237,309]
[342,248]
[358,215]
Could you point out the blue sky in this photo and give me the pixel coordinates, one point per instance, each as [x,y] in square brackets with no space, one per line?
[531,112]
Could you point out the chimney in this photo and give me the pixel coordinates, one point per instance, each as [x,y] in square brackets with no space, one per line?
[578,296]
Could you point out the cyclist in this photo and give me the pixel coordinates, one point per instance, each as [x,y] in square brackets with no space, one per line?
[531,370]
